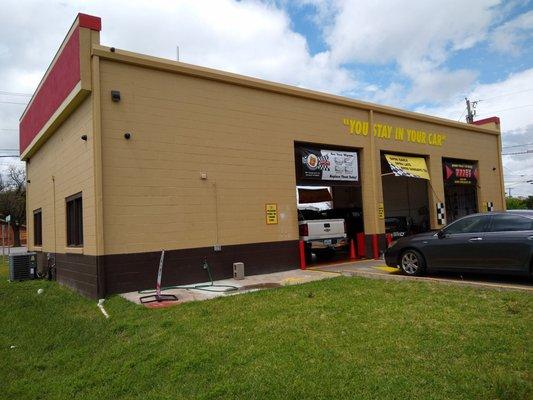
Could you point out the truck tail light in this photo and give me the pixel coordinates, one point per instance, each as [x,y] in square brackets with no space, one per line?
[304,230]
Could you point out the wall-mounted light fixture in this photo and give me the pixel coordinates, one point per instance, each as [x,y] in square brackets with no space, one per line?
[112,49]
[115,96]
[127,135]
[84,137]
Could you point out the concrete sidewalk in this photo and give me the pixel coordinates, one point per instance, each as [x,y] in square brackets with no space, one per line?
[378,270]
[249,284]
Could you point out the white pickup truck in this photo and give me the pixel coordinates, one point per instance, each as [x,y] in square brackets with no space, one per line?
[322,236]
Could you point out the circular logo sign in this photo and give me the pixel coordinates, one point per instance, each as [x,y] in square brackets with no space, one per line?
[312,161]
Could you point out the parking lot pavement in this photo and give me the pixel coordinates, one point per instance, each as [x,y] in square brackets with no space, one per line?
[377,269]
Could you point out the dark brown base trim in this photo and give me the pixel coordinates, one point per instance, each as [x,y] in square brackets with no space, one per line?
[382,244]
[96,277]
[130,272]
[76,271]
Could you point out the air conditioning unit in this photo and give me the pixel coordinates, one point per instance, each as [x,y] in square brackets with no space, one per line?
[22,266]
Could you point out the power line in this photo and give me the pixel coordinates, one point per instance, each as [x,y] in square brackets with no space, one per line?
[517,153]
[463,113]
[15,93]
[506,94]
[9,129]
[12,102]
[518,145]
[506,109]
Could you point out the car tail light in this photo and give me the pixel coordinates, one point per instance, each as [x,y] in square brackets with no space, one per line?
[304,230]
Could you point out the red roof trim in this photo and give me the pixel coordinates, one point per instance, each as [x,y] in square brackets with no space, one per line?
[63,76]
[89,21]
[496,120]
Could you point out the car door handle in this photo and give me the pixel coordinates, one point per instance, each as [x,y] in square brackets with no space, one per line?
[476,239]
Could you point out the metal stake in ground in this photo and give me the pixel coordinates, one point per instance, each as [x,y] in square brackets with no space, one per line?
[158,296]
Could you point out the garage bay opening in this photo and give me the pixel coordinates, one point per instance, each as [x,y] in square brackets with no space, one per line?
[405,181]
[329,201]
[460,188]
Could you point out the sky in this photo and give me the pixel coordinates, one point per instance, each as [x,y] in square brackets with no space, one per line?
[421,55]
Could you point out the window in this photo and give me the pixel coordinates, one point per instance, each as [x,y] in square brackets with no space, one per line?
[38,227]
[74,220]
[503,223]
[476,224]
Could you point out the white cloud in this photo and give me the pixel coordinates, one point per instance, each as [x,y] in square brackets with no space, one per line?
[257,39]
[505,99]
[407,33]
[417,37]
[510,36]
[250,38]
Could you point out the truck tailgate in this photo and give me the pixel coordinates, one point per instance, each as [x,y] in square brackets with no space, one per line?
[325,228]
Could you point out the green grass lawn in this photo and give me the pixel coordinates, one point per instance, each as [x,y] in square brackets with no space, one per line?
[349,338]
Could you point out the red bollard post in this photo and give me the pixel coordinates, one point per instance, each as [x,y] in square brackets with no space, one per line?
[361,244]
[389,238]
[302,254]
[375,247]
[353,254]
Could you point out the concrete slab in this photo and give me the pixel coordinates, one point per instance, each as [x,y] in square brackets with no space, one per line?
[250,283]
[378,270]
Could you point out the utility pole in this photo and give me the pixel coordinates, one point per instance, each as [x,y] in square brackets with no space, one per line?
[471,110]
[510,192]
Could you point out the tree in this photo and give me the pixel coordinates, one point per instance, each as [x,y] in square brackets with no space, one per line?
[514,203]
[13,199]
[529,202]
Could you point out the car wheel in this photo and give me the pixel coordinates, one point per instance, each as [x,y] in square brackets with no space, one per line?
[412,263]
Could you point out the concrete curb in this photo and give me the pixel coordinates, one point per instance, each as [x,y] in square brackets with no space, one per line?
[483,285]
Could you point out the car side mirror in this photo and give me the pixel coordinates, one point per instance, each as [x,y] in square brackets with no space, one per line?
[441,234]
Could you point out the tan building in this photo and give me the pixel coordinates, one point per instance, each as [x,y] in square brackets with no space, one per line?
[128,154]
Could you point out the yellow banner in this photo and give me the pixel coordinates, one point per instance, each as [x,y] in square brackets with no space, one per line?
[412,167]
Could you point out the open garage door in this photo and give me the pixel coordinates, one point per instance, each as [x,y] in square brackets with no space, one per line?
[460,188]
[329,201]
[405,194]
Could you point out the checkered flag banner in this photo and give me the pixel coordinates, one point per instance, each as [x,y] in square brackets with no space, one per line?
[441,214]
[324,163]
[490,206]
[397,171]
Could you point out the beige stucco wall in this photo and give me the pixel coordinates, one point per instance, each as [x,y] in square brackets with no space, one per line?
[63,166]
[243,138]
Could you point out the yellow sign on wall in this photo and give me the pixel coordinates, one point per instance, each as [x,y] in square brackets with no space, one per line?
[390,132]
[414,167]
[381,211]
[271,211]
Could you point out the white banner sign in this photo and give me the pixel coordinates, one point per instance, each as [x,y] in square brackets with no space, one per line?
[329,165]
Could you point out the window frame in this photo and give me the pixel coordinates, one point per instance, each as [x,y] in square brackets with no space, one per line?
[487,227]
[74,220]
[495,217]
[38,233]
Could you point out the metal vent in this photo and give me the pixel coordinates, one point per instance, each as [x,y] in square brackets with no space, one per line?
[22,266]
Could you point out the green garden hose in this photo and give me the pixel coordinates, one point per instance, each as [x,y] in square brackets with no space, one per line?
[207,287]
